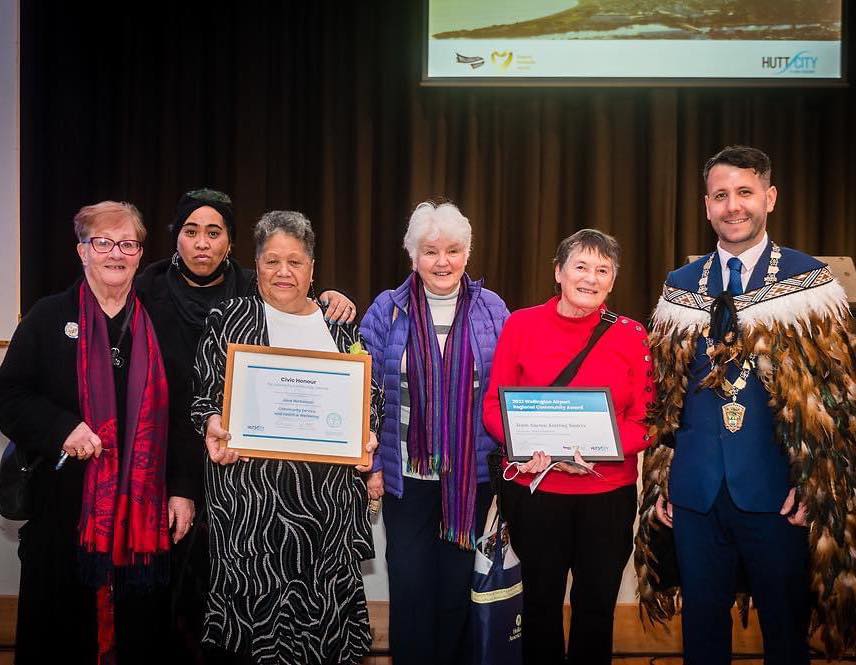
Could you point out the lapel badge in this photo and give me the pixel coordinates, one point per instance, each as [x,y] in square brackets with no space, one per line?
[71,329]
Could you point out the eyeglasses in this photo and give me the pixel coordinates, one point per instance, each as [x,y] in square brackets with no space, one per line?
[105,245]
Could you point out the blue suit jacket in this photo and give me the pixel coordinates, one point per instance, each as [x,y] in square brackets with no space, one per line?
[753,465]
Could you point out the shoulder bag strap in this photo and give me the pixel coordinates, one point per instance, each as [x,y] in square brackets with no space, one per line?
[607,318]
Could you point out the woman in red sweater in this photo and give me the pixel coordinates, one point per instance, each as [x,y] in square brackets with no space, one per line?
[575,520]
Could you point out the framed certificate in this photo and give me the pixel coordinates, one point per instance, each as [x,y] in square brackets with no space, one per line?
[560,421]
[288,404]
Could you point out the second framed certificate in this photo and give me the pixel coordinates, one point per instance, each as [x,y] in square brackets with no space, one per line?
[297,405]
[560,421]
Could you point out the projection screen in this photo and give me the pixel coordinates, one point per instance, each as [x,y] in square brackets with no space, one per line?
[633,42]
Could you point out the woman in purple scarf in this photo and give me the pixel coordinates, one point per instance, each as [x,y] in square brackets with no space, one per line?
[432,342]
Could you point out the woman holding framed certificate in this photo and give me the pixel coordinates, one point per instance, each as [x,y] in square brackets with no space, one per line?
[286,536]
[178,292]
[580,518]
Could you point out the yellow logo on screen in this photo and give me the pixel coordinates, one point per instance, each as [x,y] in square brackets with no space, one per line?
[502,59]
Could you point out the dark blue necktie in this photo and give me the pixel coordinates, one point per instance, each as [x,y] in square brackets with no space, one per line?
[721,315]
[735,283]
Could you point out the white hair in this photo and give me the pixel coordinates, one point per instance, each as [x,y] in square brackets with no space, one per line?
[429,221]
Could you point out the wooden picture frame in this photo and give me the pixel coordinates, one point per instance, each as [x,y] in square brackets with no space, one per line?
[290,404]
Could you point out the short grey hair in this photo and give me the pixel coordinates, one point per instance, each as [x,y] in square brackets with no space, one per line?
[429,221]
[87,216]
[289,222]
[591,240]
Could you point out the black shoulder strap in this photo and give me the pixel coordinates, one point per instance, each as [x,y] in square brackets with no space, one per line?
[607,318]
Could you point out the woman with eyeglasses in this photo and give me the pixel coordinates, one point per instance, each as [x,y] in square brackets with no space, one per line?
[83,388]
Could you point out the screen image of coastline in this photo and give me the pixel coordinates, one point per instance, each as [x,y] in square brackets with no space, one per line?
[584,40]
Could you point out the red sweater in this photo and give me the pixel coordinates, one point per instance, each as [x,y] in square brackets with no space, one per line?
[537,343]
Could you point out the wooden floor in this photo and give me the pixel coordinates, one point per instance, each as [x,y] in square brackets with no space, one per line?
[619,660]
[630,638]
[647,660]
[6,659]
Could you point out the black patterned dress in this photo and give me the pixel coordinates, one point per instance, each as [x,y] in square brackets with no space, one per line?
[286,538]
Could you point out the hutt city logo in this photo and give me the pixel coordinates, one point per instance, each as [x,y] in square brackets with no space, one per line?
[800,63]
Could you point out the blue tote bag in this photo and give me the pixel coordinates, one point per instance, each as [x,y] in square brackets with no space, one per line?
[497,598]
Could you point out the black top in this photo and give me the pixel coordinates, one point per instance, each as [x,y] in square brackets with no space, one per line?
[39,404]
[120,373]
[177,311]
[39,408]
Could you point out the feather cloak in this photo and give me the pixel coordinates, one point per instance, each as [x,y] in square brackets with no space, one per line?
[805,340]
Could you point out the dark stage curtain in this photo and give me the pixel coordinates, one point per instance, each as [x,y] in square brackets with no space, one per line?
[316,106]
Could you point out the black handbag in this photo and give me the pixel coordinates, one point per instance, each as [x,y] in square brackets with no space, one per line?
[16,492]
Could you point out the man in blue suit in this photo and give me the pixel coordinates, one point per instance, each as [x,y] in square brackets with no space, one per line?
[737,399]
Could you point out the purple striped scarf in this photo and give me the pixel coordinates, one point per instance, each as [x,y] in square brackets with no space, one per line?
[440,435]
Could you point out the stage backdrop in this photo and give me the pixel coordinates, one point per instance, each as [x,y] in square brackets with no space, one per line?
[316,107]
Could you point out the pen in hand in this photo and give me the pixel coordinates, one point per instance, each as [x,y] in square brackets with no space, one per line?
[62,460]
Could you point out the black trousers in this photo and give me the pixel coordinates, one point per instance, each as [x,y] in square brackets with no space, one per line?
[57,614]
[429,578]
[592,536]
[189,565]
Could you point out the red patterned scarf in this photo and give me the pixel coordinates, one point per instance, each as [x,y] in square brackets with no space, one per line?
[123,524]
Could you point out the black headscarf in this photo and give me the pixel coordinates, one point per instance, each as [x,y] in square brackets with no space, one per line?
[193,303]
[199,198]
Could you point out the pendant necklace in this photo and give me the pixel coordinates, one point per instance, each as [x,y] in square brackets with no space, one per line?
[734,413]
[115,356]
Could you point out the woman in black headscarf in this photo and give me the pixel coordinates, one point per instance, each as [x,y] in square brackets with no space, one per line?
[178,293]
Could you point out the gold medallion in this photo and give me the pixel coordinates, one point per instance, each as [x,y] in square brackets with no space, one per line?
[732,416]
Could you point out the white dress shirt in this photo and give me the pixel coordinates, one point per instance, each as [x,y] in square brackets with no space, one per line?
[748,258]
